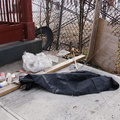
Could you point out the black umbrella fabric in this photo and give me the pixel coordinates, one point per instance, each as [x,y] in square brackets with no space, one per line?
[72,83]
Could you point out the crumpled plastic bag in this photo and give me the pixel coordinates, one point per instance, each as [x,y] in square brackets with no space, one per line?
[35,63]
[63,53]
[53,58]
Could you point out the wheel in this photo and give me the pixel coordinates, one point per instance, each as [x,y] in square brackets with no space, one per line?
[49,36]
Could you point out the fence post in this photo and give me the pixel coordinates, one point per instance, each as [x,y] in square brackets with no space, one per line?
[80,23]
[60,22]
[27,20]
[94,30]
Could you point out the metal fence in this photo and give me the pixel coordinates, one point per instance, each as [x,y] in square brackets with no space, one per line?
[71,20]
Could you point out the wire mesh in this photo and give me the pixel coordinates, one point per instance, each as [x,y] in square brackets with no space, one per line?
[74,26]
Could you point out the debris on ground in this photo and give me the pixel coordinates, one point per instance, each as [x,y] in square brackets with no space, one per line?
[70,83]
[38,62]
[62,53]
[74,106]
[10,78]
[15,75]
[53,58]
[2,76]
[72,53]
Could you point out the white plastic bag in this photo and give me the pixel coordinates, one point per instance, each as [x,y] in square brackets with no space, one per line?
[53,58]
[35,63]
[63,53]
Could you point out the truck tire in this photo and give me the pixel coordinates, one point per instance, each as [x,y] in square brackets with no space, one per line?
[49,34]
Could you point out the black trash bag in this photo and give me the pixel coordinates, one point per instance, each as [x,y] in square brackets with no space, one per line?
[73,83]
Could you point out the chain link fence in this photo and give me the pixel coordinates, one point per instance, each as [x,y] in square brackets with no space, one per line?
[73,25]
[71,22]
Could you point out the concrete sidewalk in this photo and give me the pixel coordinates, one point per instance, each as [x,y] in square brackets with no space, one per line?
[39,104]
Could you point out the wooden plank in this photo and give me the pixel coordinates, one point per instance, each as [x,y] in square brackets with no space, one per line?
[64,64]
[12,87]
[9,88]
[94,30]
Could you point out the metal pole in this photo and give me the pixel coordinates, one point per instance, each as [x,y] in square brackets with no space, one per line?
[81,2]
[104,9]
[60,22]
[47,13]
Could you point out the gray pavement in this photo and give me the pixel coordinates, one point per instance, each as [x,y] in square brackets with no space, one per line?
[39,104]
